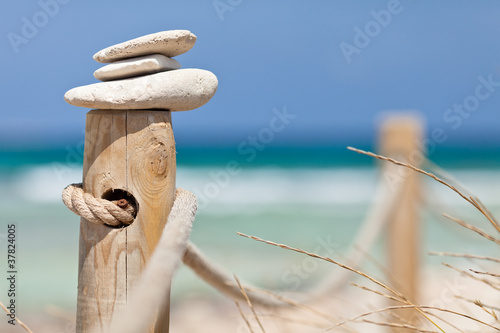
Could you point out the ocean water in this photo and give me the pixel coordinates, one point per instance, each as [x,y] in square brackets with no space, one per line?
[309,203]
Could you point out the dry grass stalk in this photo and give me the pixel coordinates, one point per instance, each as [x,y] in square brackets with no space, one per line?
[463,255]
[472,228]
[300,306]
[295,320]
[484,273]
[472,200]
[486,281]
[243,292]
[488,311]
[396,325]
[421,307]
[473,302]
[243,316]
[380,267]
[476,203]
[399,297]
[314,255]
[23,325]
[485,211]
[354,319]
[399,318]
[443,320]
[392,298]
[222,280]
[295,304]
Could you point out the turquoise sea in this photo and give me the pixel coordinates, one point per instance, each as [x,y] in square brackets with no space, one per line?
[302,197]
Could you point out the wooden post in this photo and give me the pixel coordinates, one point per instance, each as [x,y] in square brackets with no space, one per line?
[134,151]
[400,138]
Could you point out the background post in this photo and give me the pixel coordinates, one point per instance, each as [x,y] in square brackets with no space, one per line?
[400,138]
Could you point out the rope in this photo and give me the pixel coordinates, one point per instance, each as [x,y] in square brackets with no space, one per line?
[100,211]
[151,291]
[97,212]
[371,229]
[374,224]
[222,280]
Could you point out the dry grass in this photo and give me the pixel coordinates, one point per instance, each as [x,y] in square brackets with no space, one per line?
[463,255]
[250,305]
[397,296]
[243,316]
[475,202]
[392,294]
[23,325]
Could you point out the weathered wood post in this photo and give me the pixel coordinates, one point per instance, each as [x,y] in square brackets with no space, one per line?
[134,152]
[130,154]
[400,138]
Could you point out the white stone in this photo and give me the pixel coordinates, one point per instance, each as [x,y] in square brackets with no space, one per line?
[133,67]
[169,43]
[178,90]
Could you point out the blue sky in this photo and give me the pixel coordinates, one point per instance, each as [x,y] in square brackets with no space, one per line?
[268,55]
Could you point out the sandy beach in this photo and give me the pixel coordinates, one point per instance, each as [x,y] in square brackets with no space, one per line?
[441,288]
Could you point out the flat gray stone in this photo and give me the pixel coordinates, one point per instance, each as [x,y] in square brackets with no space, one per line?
[177,90]
[170,43]
[138,66]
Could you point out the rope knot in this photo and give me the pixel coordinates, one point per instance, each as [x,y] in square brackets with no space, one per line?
[116,213]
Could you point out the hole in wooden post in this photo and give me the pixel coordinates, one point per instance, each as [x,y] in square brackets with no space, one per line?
[122,199]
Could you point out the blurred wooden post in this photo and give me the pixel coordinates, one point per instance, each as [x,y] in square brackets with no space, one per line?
[134,151]
[400,138]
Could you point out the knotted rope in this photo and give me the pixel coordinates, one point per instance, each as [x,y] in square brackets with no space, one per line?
[173,246]
[100,211]
[114,213]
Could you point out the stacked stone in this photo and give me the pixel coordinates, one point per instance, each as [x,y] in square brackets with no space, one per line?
[142,75]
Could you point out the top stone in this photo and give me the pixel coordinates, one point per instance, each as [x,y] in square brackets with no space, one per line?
[170,43]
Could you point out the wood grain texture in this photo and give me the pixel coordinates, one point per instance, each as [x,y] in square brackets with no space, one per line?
[399,138]
[132,151]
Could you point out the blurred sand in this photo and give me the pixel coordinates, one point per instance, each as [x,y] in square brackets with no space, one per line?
[207,314]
